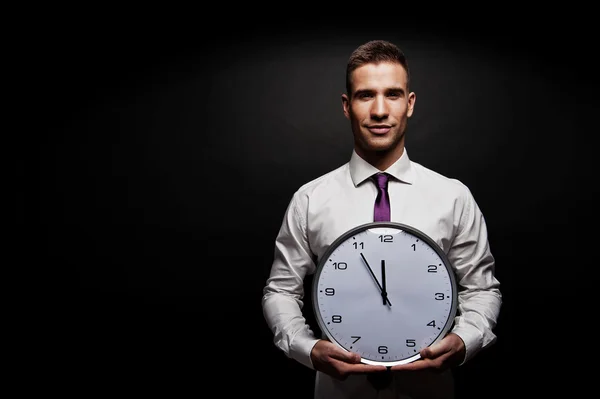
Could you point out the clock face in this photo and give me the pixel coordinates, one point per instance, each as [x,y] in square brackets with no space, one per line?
[385,291]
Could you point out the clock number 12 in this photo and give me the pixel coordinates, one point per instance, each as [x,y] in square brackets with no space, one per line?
[386,238]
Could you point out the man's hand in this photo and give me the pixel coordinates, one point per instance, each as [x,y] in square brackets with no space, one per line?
[336,362]
[447,353]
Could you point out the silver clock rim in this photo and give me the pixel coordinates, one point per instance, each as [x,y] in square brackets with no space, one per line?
[401,226]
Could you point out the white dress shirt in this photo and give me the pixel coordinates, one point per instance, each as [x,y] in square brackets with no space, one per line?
[328,206]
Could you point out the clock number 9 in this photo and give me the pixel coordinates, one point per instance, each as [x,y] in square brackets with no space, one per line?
[329,291]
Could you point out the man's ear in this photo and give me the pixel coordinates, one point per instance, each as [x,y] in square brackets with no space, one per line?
[346,105]
[412,98]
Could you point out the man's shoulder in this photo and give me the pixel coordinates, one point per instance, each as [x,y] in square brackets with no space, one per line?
[438,181]
[325,181]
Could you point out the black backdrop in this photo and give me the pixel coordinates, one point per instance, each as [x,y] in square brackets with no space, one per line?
[170,159]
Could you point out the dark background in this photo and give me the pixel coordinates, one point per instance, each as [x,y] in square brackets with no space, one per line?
[169,156]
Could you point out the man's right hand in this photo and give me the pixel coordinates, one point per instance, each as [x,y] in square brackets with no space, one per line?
[338,363]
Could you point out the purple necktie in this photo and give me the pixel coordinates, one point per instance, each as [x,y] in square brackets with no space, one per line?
[382,203]
[381,213]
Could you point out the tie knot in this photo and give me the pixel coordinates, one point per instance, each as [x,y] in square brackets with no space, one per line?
[382,180]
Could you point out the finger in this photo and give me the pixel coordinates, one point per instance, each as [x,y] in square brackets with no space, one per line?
[414,366]
[426,353]
[343,369]
[348,357]
[363,368]
[433,351]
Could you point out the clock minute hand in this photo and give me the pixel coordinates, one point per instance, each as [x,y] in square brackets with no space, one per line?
[375,278]
[383,287]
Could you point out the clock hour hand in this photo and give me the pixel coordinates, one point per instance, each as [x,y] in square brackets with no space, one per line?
[377,281]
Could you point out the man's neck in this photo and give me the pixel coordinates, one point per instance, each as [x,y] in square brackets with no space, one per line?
[382,159]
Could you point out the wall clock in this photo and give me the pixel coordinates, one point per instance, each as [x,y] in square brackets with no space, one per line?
[385,290]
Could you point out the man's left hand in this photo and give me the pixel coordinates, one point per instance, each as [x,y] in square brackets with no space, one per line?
[447,353]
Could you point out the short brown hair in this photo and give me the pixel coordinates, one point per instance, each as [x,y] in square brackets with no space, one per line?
[374,52]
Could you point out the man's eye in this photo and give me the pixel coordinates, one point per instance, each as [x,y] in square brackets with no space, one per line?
[365,95]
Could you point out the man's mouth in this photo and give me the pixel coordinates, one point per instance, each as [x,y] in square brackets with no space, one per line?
[379,129]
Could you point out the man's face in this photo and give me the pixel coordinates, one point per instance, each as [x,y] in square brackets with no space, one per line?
[379,108]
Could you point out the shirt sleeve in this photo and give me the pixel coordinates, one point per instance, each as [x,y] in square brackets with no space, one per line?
[283,294]
[479,297]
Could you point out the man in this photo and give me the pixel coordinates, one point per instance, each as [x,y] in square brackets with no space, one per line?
[378,104]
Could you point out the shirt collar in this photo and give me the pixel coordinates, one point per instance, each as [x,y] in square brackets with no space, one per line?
[360,170]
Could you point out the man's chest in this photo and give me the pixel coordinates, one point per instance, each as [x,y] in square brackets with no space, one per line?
[328,220]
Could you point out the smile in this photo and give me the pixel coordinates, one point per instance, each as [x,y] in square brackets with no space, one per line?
[379,129]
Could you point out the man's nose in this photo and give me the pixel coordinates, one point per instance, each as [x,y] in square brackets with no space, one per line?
[379,108]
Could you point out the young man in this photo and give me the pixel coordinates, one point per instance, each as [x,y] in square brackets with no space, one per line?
[378,103]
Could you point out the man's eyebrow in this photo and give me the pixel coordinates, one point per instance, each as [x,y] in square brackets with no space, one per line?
[389,89]
[362,91]
[400,89]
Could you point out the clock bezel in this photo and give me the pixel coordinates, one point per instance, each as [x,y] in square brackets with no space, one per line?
[414,232]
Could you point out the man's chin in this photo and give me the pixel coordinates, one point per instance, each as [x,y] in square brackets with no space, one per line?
[380,146]
[383,143]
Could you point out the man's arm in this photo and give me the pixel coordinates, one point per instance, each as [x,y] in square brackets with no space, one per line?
[283,294]
[479,298]
[282,303]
